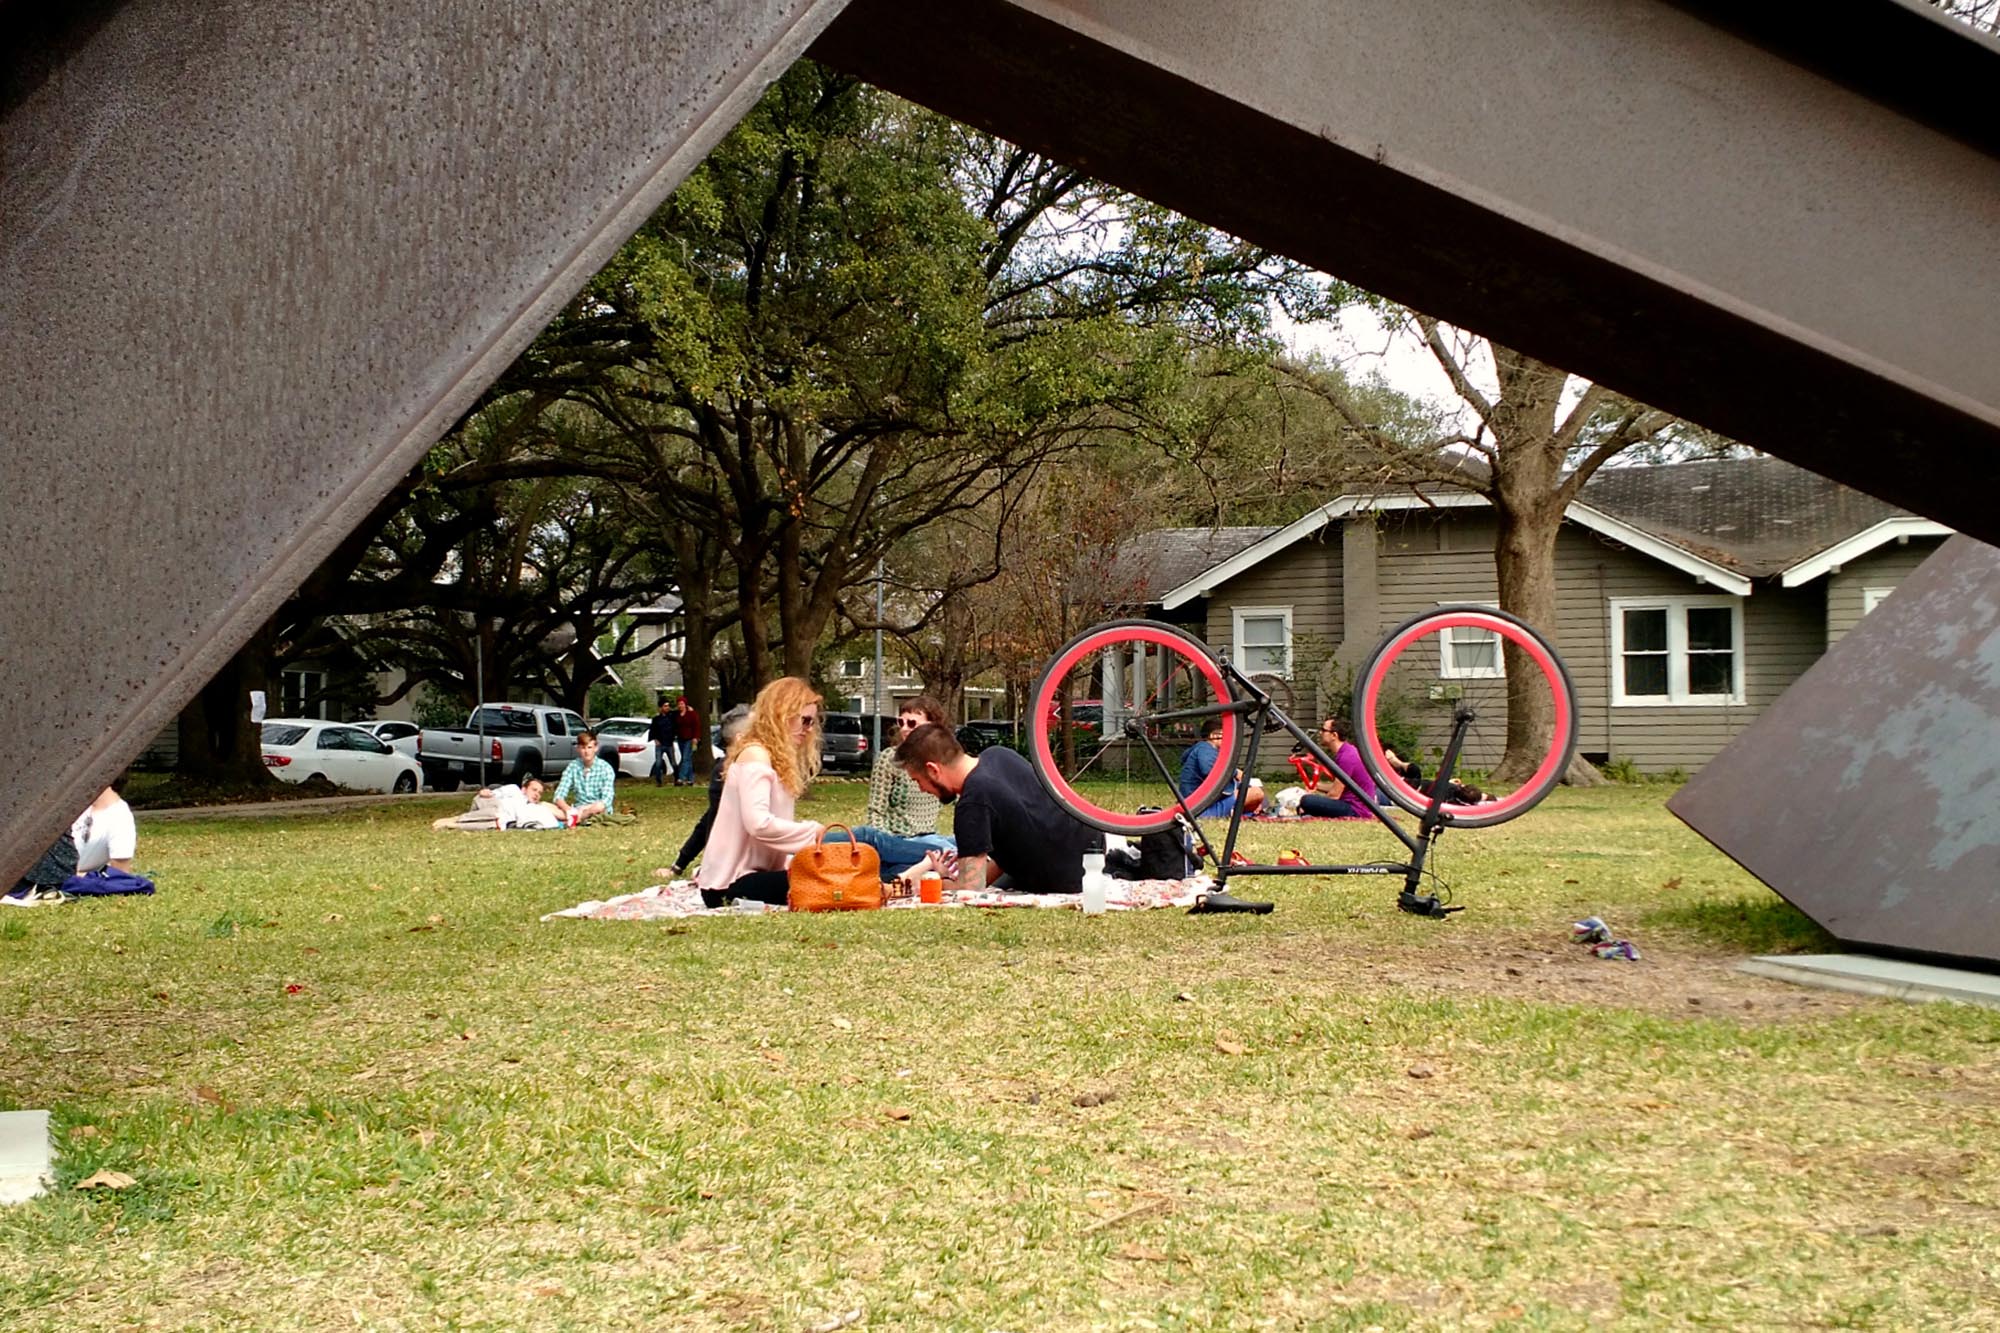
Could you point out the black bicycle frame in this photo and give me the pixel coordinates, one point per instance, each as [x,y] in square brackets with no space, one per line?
[1255,703]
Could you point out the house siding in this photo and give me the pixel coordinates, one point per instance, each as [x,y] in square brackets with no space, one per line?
[1883,567]
[1430,557]
[1307,578]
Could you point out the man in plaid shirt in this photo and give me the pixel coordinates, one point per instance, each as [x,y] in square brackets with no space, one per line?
[592,785]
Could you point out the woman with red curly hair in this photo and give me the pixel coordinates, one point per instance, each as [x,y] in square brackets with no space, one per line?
[770,765]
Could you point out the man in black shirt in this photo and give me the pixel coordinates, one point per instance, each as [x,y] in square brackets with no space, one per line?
[1003,814]
[663,731]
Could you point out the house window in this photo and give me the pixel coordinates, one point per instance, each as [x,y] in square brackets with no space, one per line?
[850,667]
[1467,652]
[302,694]
[1872,598]
[1264,640]
[1677,650]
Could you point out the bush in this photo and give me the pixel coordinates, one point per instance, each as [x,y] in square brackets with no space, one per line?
[436,709]
[608,700]
[1621,769]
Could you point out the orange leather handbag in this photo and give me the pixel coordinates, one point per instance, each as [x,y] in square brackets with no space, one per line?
[835,876]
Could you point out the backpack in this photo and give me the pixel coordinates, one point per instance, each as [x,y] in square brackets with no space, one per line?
[1170,853]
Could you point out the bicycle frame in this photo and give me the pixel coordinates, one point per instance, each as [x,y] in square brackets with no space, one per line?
[1253,702]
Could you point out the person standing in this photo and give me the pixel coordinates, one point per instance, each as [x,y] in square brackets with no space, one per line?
[687,728]
[664,732]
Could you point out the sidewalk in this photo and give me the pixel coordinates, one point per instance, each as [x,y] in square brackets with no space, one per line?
[314,805]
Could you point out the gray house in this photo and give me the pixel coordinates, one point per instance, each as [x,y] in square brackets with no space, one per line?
[1688,595]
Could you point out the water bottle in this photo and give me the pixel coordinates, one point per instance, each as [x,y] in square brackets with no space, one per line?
[1096,884]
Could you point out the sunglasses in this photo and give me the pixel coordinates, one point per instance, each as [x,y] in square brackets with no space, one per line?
[809,720]
[909,723]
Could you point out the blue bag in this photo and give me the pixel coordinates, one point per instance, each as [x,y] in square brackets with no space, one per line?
[109,880]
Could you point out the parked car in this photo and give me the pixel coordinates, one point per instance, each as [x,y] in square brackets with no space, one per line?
[500,742]
[977,735]
[401,736]
[847,741]
[623,740]
[299,749]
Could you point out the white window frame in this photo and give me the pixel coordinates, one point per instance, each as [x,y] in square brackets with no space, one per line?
[311,681]
[855,674]
[1677,695]
[1448,667]
[1239,614]
[1872,598]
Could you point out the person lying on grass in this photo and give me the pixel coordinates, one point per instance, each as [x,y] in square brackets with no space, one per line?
[592,785]
[770,766]
[506,806]
[1011,833]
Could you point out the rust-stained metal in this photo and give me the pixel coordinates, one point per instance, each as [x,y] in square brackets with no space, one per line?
[1869,794]
[254,259]
[1783,231]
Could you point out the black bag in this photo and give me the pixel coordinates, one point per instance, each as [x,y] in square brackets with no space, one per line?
[1168,854]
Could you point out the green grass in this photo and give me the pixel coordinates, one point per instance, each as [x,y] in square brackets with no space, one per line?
[359,1084]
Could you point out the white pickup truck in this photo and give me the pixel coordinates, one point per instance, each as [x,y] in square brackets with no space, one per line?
[500,743]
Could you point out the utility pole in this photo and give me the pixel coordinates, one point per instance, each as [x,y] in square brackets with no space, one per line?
[875,712]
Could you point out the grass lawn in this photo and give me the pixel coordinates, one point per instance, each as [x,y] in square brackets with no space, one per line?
[360,1085]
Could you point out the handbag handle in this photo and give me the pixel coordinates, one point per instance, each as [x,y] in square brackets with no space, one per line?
[853,844]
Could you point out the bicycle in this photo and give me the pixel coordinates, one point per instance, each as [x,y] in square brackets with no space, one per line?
[1479,660]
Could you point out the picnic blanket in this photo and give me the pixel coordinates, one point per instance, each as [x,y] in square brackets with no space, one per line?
[1275,818]
[680,898]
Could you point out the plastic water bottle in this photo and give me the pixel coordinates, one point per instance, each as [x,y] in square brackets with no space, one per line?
[1096,884]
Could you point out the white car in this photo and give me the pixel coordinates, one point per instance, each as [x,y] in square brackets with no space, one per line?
[401,736]
[623,740]
[297,749]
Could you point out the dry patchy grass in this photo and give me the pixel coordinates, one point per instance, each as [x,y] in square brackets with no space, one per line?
[359,1083]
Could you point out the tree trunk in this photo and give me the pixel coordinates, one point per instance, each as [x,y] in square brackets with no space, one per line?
[218,741]
[697,625]
[1525,556]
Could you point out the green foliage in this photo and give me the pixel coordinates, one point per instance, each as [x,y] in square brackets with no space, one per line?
[608,700]
[437,709]
[1621,769]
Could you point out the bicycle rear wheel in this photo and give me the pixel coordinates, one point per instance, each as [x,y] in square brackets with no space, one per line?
[1485,662]
[1116,705]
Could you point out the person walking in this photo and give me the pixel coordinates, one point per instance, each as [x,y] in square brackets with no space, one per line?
[664,732]
[687,727]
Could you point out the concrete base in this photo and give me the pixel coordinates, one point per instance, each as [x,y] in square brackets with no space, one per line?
[25,1169]
[1867,975]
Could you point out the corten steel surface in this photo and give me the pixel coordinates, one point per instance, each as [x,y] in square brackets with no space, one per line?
[1624,189]
[254,259]
[1869,794]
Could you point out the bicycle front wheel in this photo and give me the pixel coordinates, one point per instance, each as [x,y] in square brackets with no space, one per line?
[1112,719]
[1487,666]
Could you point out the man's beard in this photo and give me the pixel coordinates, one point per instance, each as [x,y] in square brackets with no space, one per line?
[947,797]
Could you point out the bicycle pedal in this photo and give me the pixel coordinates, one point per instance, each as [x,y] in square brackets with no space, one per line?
[1229,902]
[1424,904]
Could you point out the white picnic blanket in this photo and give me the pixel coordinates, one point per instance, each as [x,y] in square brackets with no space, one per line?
[680,898]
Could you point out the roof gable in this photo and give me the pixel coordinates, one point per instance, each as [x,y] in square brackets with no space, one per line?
[1723,521]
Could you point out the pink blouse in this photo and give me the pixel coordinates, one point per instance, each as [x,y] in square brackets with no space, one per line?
[754,828]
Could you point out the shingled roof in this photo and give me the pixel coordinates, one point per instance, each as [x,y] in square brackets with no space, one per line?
[1758,516]
[1152,563]
[1725,521]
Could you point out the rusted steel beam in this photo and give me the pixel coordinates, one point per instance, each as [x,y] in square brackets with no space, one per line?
[1785,235]
[1869,793]
[254,259]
